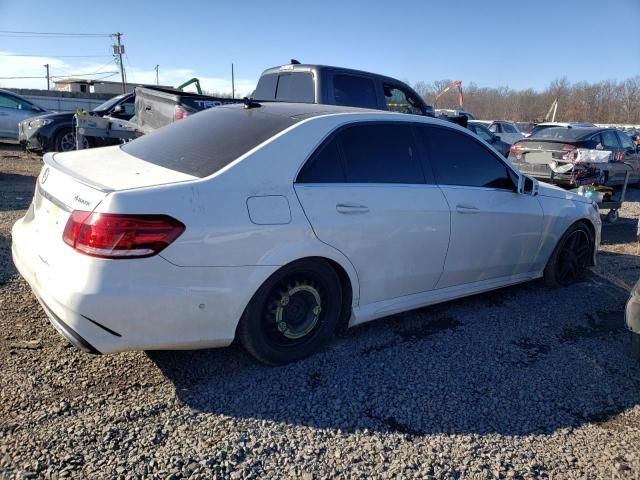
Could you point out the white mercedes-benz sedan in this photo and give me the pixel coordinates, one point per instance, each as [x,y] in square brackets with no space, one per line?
[277,223]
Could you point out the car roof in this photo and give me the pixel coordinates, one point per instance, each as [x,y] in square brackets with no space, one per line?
[307,67]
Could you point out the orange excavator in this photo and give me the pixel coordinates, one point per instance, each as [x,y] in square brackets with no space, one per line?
[456,83]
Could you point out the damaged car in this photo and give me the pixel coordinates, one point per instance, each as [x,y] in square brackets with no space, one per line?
[279,223]
[578,156]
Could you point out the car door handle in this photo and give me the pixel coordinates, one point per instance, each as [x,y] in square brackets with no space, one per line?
[463,208]
[350,208]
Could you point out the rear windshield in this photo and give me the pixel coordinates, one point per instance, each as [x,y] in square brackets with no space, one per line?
[286,87]
[205,143]
[561,133]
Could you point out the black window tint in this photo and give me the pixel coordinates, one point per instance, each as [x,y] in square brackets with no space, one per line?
[354,91]
[458,159]
[324,166]
[625,140]
[207,142]
[381,153]
[609,140]
[266,88]
[398,100]
[295,87]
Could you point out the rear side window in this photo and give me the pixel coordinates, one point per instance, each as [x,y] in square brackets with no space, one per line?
[324,166]
[354,91]
[295,87]
[380,153]
[266,88]
[203,144]
[458,159]
[506,128]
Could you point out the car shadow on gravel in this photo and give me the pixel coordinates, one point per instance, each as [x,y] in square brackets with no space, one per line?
[16,191]
[517,361]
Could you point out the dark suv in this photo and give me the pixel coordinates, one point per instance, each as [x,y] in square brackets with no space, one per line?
[54,132]
[338,86]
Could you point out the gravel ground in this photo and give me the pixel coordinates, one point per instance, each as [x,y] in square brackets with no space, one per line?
[525,382]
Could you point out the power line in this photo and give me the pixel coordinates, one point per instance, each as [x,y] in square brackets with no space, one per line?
[51,56]
[61,34]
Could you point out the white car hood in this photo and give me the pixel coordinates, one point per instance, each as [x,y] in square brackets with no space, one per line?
[553,191]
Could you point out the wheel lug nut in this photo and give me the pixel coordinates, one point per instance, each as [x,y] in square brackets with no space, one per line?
[283,327]
[316,310]
[284,301]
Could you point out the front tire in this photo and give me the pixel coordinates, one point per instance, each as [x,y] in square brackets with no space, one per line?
[571,257]
[65,141]
[293,313]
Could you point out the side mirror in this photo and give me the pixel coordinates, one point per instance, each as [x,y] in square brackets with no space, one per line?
[528,185]
[495,138]
[118,109]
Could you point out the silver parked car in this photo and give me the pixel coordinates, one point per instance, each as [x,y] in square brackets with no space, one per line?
[14,109]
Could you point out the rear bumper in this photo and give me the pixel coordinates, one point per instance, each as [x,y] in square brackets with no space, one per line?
[105,306]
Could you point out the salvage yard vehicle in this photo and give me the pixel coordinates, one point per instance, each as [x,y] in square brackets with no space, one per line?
[543,126]
[278,223]
[507,131]
[14,109]
[578,156]
[55,132]
[157,106]
[492,139]
[297,82]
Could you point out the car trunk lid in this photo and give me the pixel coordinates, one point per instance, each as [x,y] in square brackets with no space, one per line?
[81,181]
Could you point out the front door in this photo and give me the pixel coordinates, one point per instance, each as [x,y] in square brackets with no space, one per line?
[495,232]
[365,193]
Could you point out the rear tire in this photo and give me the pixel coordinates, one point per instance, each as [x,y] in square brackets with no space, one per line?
[571,257]
[293,313]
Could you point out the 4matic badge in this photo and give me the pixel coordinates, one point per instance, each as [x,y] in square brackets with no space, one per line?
[82,200]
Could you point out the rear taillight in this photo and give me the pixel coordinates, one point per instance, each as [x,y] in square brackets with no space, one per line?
[181,113]
[109,235]
[571,154]
[515,149]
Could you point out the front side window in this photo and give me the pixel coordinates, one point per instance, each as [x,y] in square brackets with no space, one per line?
[354,91]
[626,141]
[609,140]
[482,132]
[295,87]
[381,153]
[458,159]
[129,108]
[8,102]
[398,100]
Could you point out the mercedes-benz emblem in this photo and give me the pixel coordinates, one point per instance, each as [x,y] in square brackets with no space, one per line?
[45,175]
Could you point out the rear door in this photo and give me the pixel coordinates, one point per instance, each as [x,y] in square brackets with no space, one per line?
[495,232]
[366,194]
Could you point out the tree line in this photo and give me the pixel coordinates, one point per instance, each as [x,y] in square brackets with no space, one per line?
[608,101]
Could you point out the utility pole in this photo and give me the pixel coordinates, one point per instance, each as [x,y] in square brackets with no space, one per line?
[48,84]
[119,50]
[233,85]
[156,69]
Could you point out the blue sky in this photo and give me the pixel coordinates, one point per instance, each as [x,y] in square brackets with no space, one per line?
[492,43]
